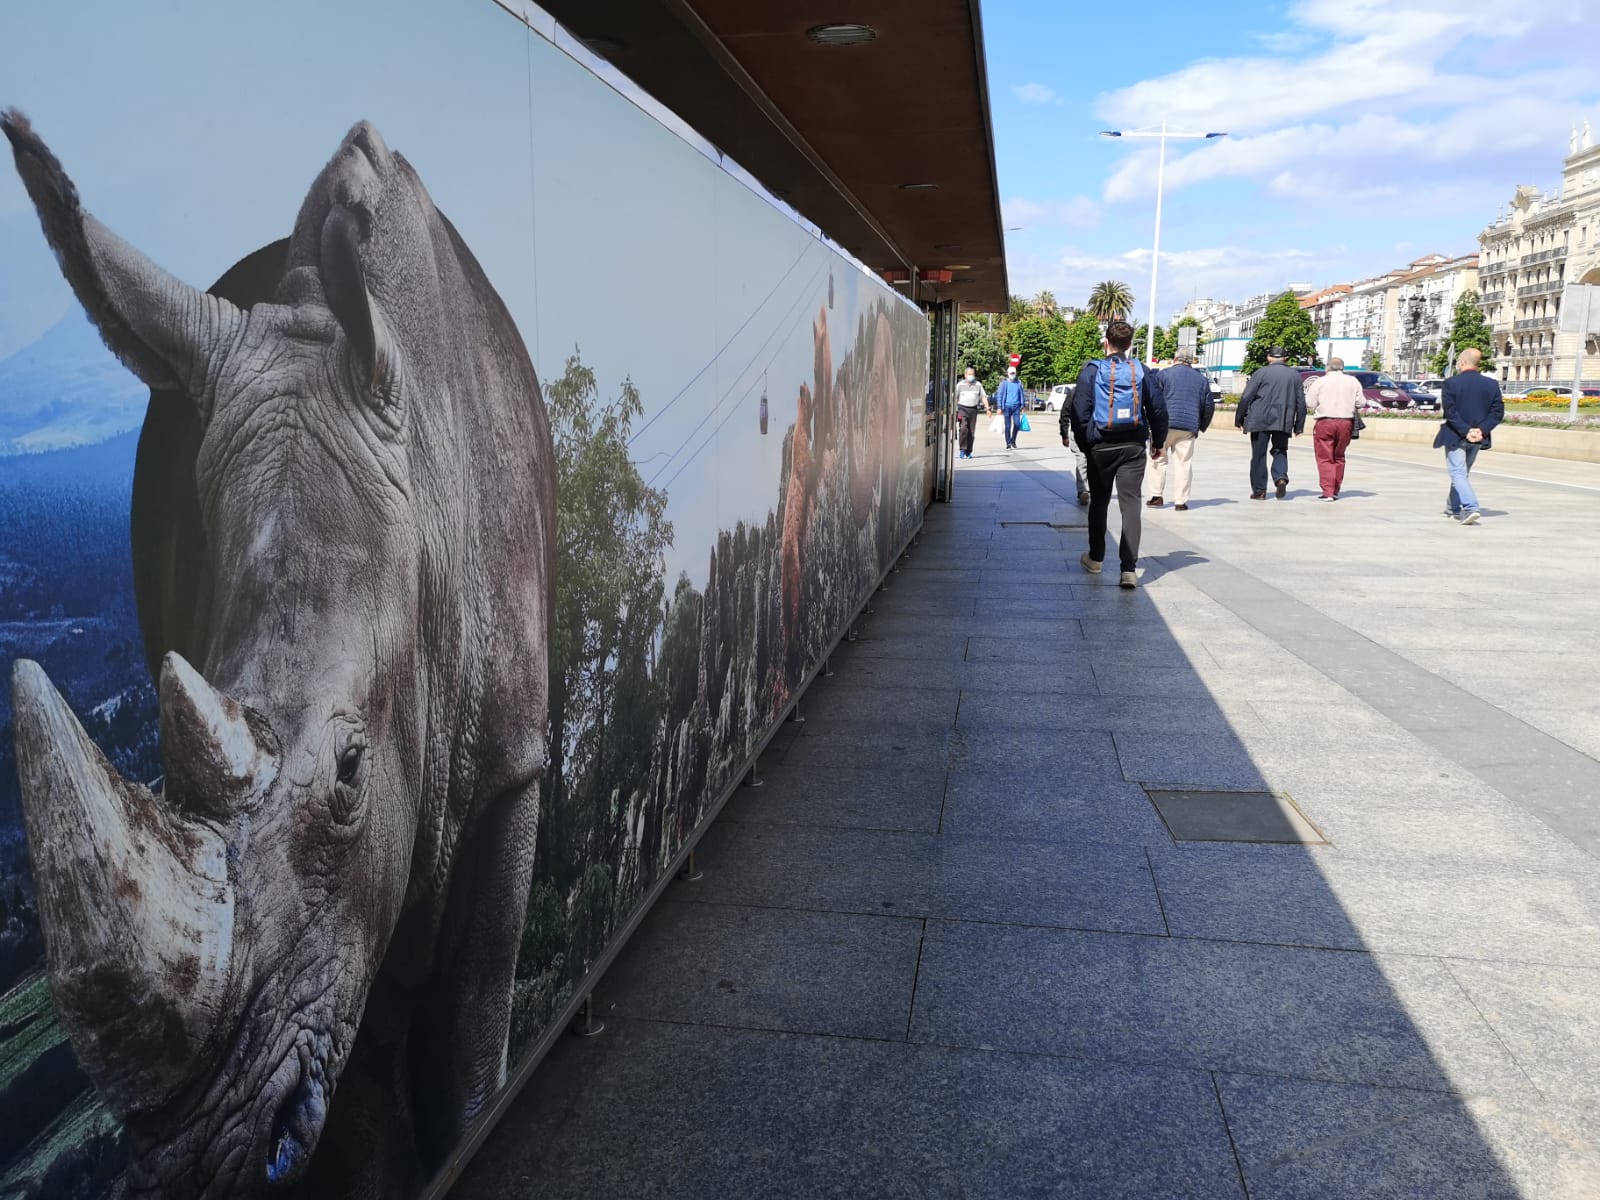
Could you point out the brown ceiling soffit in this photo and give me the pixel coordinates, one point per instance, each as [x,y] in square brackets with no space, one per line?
[836,174]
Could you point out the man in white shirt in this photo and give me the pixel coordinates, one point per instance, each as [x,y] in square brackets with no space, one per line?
[969,399]
[1335,399]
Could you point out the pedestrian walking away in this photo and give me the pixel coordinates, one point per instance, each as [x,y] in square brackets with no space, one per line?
[1080,460]
[1009,398]
[970,398]
[1271,411]
[1186,393]
[1117,411]
[1472,407]
[1334,398]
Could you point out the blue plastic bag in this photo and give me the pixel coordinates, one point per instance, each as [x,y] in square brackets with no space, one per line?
[1022,424]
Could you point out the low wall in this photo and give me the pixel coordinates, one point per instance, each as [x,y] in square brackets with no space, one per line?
[1578,445]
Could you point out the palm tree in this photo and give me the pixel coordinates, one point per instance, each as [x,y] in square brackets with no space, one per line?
[1044,305]
[1110,300]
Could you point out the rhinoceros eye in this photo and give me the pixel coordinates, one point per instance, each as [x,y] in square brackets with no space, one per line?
[350,765]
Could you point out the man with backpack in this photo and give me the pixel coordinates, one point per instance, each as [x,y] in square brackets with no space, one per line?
[1117,410]
[1271,411]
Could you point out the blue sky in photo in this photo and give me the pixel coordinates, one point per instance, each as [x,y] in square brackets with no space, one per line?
[1363,135]
[193,130]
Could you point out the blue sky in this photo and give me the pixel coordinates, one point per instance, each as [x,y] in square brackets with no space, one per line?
[1364,134]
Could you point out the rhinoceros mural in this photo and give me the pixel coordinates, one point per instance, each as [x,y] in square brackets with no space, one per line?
[291,968]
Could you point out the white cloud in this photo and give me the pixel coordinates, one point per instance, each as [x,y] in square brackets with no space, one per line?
[1077,212]
[1456,85]
[1035,93]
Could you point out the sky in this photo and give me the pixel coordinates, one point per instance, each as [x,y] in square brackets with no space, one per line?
[1362,135]
[650,261]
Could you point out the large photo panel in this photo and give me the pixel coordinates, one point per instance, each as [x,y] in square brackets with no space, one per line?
[426,477]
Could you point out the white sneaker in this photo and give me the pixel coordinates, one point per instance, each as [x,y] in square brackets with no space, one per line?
[1471,517]
[1088,563]
[1129,580]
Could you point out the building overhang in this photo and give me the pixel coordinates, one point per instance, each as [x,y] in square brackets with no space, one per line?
[885,145]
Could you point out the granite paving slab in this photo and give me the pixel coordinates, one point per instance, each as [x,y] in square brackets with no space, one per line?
[844,797]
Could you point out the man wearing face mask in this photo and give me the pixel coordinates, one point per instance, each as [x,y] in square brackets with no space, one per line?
[1009,398]
[970,398]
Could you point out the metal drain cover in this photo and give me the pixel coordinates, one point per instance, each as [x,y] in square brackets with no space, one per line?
[1197,815]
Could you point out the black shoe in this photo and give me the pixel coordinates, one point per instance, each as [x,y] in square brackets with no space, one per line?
[1258,495]
[1283,486]
[1180,508]
[1153,502]
[1083,499]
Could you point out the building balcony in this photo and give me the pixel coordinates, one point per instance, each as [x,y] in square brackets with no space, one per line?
[1489,298]
[1551,255]
[1547,288]
[1529,324]
[1534,354]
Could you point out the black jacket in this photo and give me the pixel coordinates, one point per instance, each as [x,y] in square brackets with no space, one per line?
[1274,401]
[1470,400]
[1152,426]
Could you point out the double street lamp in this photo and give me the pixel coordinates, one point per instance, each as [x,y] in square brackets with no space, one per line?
[1161,174]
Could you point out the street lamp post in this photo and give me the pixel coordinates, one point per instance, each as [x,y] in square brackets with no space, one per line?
[1163,134]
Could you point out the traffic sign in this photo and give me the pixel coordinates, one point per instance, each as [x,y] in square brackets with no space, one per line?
[1016,360]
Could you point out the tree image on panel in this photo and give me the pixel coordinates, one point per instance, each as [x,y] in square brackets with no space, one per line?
[1286,326]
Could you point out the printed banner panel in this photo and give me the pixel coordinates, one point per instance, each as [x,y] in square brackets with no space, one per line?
[424,480]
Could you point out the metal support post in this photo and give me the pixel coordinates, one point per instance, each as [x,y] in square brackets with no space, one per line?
[754,780]
[691,872]
[1577,369]
[795,716]
[827,667]
[585,1026]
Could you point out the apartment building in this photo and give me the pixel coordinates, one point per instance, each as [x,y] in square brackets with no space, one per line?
[1530,252]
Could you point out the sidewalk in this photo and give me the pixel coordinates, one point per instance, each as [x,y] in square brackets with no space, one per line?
[951,948]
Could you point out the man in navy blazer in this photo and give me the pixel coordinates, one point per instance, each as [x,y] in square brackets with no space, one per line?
[1473,406]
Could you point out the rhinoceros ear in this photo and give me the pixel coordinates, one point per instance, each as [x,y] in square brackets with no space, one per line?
[164,331]
[344,283]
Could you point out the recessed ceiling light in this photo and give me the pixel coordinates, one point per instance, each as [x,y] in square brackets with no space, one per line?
[918,187]
[959,267]
[842,35]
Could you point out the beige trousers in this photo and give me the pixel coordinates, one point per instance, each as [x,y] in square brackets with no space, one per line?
[1180,453]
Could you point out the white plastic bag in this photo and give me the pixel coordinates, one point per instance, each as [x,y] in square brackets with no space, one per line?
[998,425]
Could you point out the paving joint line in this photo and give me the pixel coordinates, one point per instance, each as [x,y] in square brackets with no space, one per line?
[1227,1127]
[1487,1024]
[916,976]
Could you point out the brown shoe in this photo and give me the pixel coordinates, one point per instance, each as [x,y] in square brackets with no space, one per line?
[1180,508]
[1283,486]
[1258,495]
[1153,502]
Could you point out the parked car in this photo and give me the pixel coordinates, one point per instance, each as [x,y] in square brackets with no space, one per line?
[1378,391]
[1422,397]
[1057,398]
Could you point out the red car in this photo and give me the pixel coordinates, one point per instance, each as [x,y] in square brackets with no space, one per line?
[1378,391]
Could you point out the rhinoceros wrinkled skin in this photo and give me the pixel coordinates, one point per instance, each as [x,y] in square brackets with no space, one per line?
[290,971]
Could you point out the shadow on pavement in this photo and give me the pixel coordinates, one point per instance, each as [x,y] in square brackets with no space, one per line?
[951,948]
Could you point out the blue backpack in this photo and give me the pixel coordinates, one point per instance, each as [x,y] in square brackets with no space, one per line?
[1116,400]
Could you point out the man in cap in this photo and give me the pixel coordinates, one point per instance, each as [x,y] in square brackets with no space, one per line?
[1271,411]
[1189,412]
[1009,398]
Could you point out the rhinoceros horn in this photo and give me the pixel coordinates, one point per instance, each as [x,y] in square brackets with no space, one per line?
[164,331]
[135,898]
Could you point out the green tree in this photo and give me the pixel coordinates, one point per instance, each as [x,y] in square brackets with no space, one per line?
[1032,338]
[1044,305]
[978,348]
[612,535]
[1467,329]
[1110,299]
[1284,324]
[1166,342]
[1082,343]
[1189,323]
[1374,361]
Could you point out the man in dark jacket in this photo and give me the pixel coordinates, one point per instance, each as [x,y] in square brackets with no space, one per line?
[1187,393]
[1271,411]
[1114,441]
[1472,406]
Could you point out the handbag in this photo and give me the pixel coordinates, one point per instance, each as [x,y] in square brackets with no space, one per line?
[1022,424]
[1356,426]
